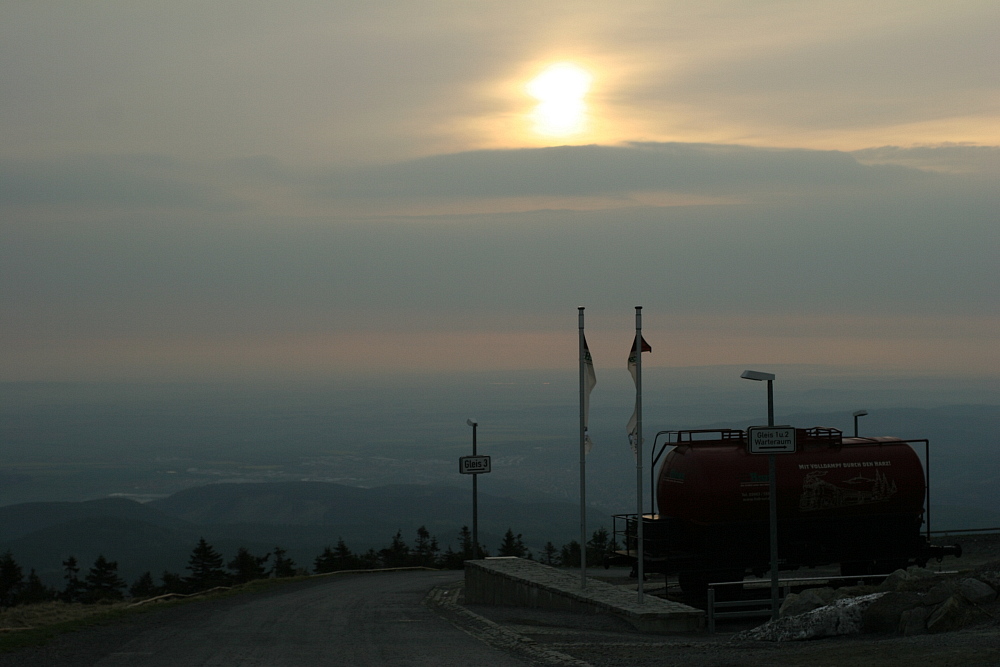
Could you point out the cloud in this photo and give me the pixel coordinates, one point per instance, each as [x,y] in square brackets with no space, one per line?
[124,181]
[207,263]
[981,161]
[602,170]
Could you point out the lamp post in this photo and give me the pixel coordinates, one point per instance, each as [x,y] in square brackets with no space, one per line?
[859,413]
[764,377]
[475,496]
[772,487]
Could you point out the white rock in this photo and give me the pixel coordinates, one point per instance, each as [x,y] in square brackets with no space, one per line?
[800,603]
[843,617]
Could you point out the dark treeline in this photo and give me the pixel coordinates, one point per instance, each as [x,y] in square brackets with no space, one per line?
[207,568]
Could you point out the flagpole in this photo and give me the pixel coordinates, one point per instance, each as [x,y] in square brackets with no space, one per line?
[638,446]
[583,464]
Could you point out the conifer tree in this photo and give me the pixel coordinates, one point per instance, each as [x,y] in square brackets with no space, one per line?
[171,582]
[103,582]
[452,559]
[513,545]
[425,549]
[143,587]
[205,565]
[247,567]
[11,580]
[465,542]
[336,559]
[550,555]
[598,547]
[35,591]
[283,567]
[74,590]
[397,554]
[569,555]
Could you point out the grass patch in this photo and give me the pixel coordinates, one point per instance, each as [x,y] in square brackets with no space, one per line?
[35,624]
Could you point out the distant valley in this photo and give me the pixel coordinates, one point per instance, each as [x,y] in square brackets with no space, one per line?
[386,457]
[301,517]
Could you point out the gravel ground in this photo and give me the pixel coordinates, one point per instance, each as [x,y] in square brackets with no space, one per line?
[604,641]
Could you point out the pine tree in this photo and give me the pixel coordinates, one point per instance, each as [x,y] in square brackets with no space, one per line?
[570,554]
[512,545]
[550,555]
[452,559]
[283,567]
[171,582]
[35,591]
[325,562]
[599,547]
[11,580]
[205,565]
[425,549]
[247,567]
[345,559]
[336,559]
[397,554]
[73,592]
[143,587]
[465,542]
[370,559]
[103,582]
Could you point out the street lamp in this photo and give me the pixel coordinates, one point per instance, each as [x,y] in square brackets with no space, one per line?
[475,496]
[859,413]
[764,377]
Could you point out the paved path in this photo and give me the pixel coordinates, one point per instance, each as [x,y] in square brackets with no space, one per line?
[374,619]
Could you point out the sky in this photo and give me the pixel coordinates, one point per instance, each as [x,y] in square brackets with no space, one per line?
[252,190]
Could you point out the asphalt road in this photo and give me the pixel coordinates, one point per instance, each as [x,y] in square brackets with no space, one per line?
[374,619]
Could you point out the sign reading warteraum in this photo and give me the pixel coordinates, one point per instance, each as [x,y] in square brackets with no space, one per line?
[771,439]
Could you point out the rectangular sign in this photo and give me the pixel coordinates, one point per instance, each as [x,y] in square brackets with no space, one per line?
[473,465]
[771,439]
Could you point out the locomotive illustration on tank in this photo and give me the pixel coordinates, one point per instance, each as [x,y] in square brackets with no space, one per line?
[857,502]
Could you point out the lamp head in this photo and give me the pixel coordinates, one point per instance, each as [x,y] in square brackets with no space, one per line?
[757,375]
[860,413]
[471,422]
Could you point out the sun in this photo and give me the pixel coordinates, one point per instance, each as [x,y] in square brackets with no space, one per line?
[560,90]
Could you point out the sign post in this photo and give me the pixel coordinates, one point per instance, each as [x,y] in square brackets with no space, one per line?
[474,465]
[772,440]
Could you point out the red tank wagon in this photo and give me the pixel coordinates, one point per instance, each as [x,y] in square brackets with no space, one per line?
[856,502]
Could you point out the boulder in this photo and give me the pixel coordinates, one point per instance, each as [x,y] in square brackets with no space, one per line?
[977,592]
[938,594]
[917,572]
[884,615]
[892,582]
[800,603]
[914,621]
[946,616]
[827,594]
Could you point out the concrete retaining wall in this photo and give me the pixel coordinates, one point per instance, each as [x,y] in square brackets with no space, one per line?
[522,583]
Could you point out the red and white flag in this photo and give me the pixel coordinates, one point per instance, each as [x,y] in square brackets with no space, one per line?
[589,382]
[633,423]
